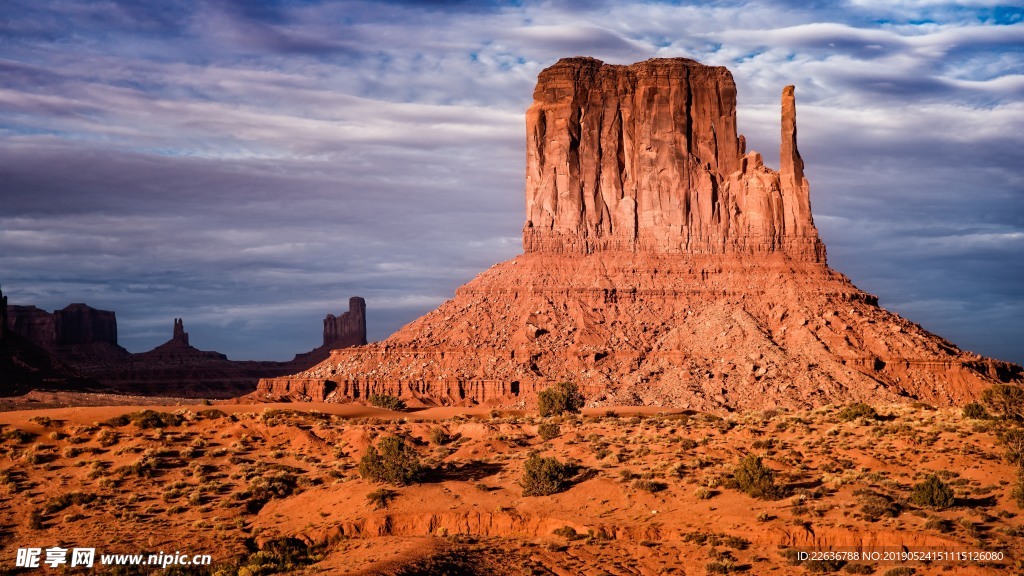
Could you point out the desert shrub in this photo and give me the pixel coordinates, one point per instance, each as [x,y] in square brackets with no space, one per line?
[44,421]
[386,402]
[859,569]
[932,493]
[281,556]
[939,525]
[107,438]
[716,539]
[543,476]
[392,461]
[1013,440]
[901,571]
[146,419]
[562,397]
[58,503]
[549,430]
[440,436]
[720,567]
[568,532]
[975,411]
[1004,401]
[688,443]
[210,414]
[263,489]
[144,467]
[1018,489]
[35,519]
[756,479]
[19,436]
[858,410]
[875,506]
[381,497]
[649,486]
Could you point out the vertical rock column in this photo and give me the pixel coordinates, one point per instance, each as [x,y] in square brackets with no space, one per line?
[795,190]
[349,329]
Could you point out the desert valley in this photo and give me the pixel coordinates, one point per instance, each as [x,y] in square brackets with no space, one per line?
[670,379]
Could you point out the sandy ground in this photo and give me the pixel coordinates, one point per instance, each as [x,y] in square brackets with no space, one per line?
[651,495]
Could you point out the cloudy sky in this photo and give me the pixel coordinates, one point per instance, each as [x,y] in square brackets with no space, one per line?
[249,166]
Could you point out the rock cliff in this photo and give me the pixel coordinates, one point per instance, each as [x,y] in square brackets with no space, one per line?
[664,265]
[647,158]
[349,329]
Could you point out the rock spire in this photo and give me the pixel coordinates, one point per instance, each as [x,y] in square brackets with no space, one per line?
[349,329]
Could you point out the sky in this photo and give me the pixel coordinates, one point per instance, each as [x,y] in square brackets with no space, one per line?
[249,166]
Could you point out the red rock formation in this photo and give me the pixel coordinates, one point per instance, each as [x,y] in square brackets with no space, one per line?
[646,158]
[81,336]
[663,265]
[349,329]
[179,334]
[75,324]
[32,324]
[82,324]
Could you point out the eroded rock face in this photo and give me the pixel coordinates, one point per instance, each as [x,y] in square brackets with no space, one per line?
[75,324]
[664,265]
[349,329]
[647,158]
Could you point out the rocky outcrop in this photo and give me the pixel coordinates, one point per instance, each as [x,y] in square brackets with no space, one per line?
[179,335]
[82,324]
[646,158]
[78,345]
[349,329]
[75,324]
[664,265]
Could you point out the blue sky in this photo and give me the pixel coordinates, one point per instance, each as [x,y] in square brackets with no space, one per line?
[249,166]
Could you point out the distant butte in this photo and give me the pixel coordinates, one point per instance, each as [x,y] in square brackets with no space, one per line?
[76,348]
[663,265]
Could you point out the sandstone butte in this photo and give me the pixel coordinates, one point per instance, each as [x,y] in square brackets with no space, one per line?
[663,265]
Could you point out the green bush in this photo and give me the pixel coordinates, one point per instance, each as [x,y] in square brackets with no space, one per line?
[562,397]
[146,419]
[858,410]
[543,476]
[1013,440]
[756,479]
[440,436]
[1004,401]
[932,493]
[859,569]
[386,402]
[58,503]
[549,430]
[975,411]
[392,461]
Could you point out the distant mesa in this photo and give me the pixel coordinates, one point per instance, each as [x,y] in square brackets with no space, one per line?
[76,348]
[75,324]
[664,265]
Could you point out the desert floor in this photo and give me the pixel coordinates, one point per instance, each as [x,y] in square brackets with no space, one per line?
[276,488]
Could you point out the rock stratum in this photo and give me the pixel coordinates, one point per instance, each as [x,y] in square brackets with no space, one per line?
[663,265]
